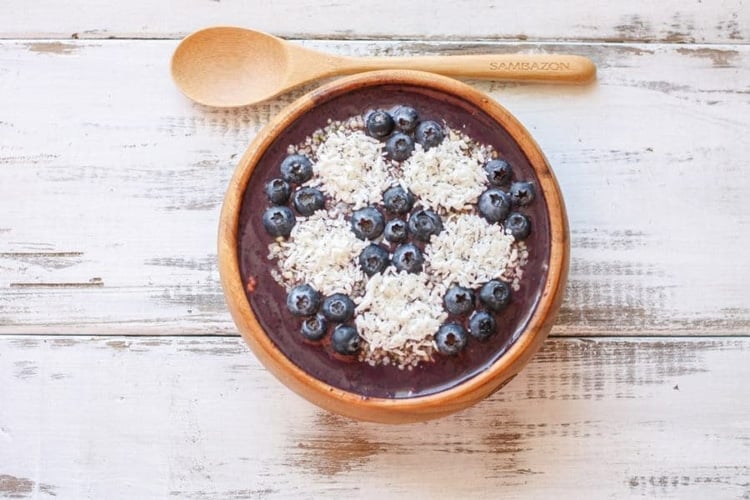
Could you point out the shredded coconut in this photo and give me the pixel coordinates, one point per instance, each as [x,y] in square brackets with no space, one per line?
[329,268]
[470,251]
[519,257]
[399,313]
[448,176]
[350,167]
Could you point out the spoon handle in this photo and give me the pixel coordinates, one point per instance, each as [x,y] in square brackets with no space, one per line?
[522,67]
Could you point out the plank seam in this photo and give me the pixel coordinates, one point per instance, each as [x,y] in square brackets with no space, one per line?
[385,38]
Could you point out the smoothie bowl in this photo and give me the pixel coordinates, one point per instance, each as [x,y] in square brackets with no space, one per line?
[394,246]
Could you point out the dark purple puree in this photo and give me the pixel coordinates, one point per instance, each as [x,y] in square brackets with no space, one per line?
[268,300]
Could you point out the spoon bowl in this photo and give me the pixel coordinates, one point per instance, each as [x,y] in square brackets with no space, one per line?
[232,67]
[228,67]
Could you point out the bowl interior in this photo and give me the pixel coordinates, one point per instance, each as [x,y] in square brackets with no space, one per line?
[267,298]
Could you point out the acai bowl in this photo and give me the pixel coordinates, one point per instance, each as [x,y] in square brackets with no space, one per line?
[393,246]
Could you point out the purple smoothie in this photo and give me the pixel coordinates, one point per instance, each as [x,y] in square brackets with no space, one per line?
[268,298]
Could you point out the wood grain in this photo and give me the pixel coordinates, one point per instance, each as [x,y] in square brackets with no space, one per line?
[110,186]
[119,186]
[706,21]
[154,417]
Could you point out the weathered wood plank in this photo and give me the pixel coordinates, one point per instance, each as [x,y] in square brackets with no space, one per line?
[707,21]
[610,418]
[110,192]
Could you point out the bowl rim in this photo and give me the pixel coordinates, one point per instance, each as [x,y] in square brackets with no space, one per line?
[385,409]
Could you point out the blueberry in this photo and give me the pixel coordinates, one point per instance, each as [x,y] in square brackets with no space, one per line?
[405,118]
[517,225]
[482,325]
[303,300]
[408,258]
[498,172]
[296,169]
[314,327]
[338,307]
[307,200]
[367,223]
[345,340]
[429,134]
[495,295]
[494,205]
[424,223]
[398,200]
[522,193]
[278,191]
[399,146]
[278,221]
[395,231]
[458,300]
[451,339]
[379,123]
[373,259]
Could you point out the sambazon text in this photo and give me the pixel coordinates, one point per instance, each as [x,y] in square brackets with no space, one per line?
[529,66]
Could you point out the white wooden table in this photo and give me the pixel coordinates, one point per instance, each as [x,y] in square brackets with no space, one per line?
[121,374]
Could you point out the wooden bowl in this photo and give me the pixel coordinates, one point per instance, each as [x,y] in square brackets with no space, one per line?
[539,317]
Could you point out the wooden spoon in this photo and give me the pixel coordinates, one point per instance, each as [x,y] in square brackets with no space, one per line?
[230,67]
